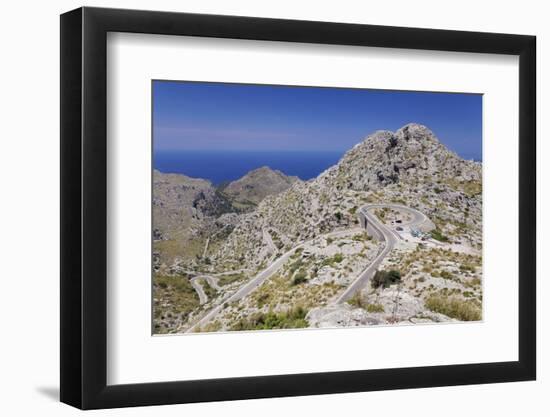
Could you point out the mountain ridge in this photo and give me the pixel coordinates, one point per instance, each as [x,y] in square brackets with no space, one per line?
[409,166]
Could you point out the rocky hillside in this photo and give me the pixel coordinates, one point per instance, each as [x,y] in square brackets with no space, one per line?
[190,213]
[247,192]
[182,203]
[183,211]
[412,155]
[311,230]
[409,166]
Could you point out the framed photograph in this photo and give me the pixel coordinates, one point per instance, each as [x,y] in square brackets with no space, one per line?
[257,208]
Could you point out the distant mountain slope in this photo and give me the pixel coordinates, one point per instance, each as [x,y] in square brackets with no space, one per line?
[183,213]
[189,211]
[247,192]
[181,202]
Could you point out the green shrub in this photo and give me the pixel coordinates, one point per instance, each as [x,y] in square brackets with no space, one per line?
[300,277]
[294,318]
[467,267]
[263,299]
[333,260]
[295,266]
[386,278]
[446,275]
[356,300]
[474,282]
[437,235]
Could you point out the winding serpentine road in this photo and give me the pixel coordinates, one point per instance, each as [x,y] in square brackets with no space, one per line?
[374,227]
[266,236]
[260,279]
[386,235]
[212,281]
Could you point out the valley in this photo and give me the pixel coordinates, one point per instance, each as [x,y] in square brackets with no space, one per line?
[390,235]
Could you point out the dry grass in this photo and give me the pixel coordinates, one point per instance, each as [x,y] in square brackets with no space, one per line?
[172,249]
[174,296]
[454,307]
[230,279]
[375,308]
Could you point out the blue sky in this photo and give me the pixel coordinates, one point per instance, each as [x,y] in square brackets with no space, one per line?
[219,116]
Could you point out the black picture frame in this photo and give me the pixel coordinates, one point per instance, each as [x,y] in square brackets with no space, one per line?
[84,207]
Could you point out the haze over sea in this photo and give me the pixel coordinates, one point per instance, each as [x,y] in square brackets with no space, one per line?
[221,166]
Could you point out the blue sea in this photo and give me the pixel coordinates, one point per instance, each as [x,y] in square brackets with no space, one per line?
[222,166]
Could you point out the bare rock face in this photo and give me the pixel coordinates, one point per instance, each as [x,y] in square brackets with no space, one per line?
[397,308]
[340,316]
[411,154]
[181,203]
[247,192]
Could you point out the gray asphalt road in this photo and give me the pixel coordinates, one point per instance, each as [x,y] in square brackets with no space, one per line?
[259,280]
[245,289]
[211,280]
[383,233]
[269,241]
[205,248]
[386,235]
[200,291]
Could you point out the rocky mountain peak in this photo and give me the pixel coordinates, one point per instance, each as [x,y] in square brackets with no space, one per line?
[248,191]
[413,151]
[265,170]
[411,139]
[416,132]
